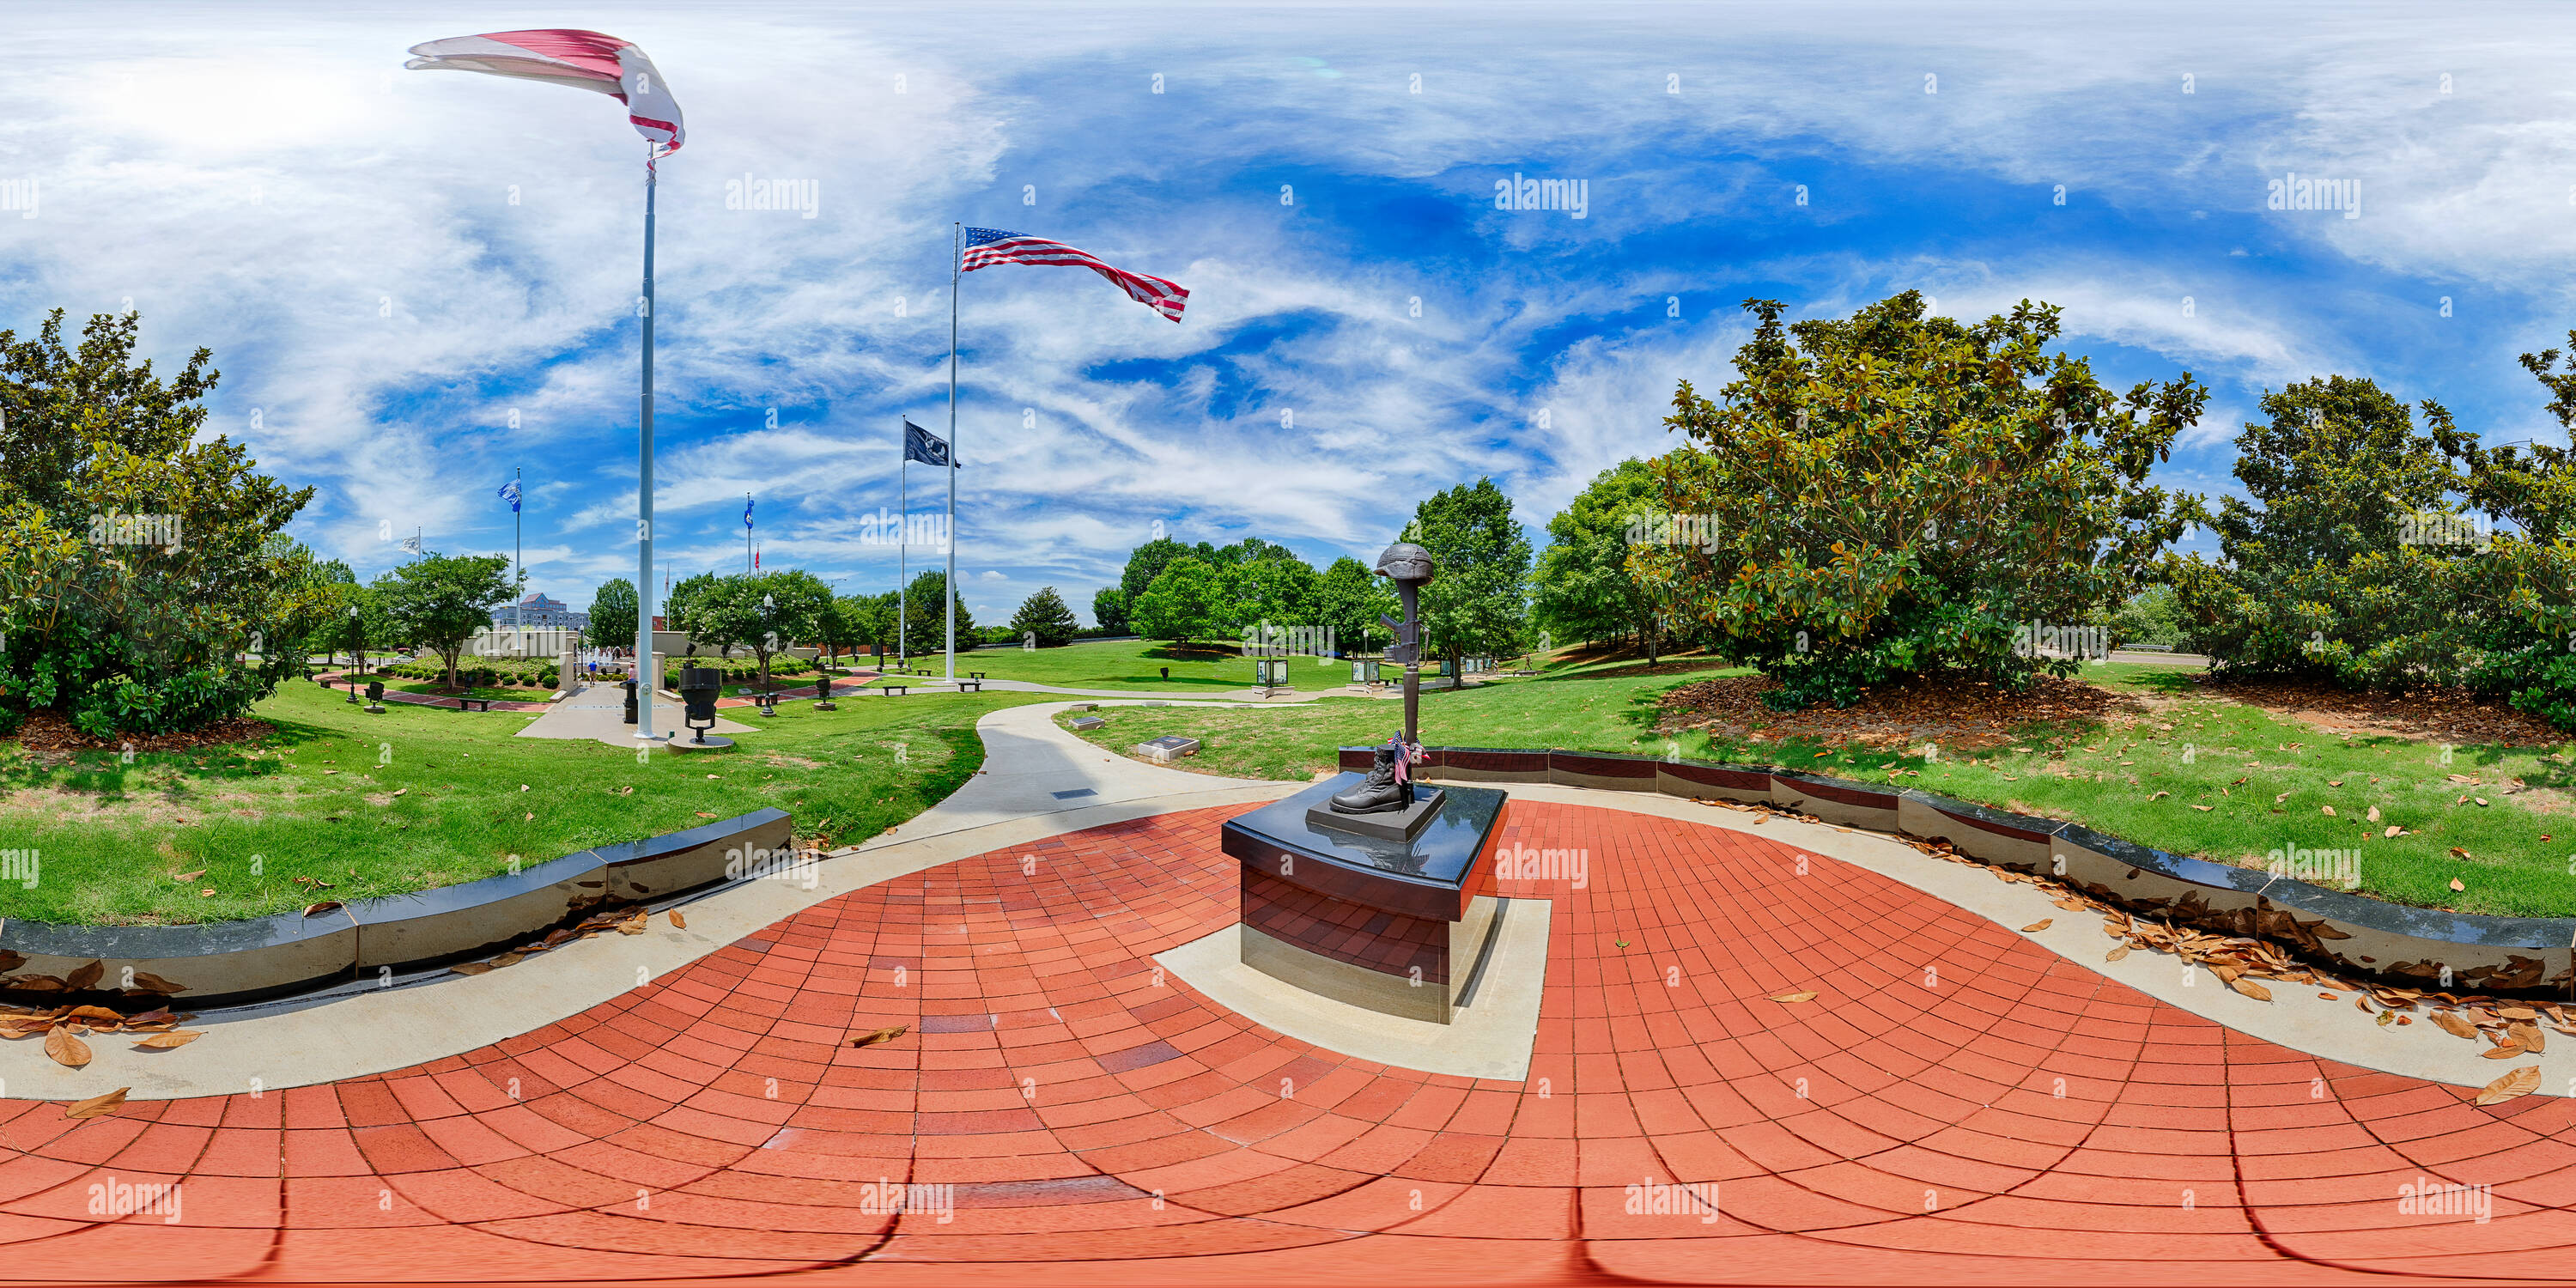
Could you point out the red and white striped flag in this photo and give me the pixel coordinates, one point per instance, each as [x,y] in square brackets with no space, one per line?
[988,246]
[581,59]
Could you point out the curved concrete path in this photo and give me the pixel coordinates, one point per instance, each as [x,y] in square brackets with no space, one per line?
[1955,1101]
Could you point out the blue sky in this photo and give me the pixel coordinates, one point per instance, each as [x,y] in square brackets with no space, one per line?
[389,264]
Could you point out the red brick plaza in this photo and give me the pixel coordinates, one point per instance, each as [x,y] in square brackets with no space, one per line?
[2017,1119]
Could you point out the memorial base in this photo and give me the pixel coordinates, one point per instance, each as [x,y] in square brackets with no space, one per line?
[1396,924]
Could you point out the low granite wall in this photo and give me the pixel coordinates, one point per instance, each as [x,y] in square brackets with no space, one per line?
[2351,933]
[228,962]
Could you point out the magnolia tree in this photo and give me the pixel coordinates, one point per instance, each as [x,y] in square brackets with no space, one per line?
[1892,495]
[145,582]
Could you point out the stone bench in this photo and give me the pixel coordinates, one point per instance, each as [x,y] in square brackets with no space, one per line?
[474,704]
[970,686]
[892,689]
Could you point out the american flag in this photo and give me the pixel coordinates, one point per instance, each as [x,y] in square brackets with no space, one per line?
[988,246]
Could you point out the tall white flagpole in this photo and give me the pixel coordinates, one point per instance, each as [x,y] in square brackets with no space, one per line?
[903,535]
[645,679]
[956,240]
[518,556]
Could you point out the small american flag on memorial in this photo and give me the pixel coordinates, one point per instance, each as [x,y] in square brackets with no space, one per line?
[989,246]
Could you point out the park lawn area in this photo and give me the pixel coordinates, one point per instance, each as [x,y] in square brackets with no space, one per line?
[424,797]
[2261,781]
[429,690]
[1136,664]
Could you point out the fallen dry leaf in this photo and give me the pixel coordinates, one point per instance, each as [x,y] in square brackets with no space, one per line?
[322,907]
[186,877]
[2458,853]
[2391,833]
[678,922]
[2373,815]
[2116,953]
[2455,1024]
[64,1049]
[2520,1082]
[151,983]
[2251,989]
[2204,808]
[2329,809]
[2037,926]
[1793,997]
[508,959]
[102,1106]
[85,976]
[883,1035]
[2456,887]
[470,968]
[168,1041]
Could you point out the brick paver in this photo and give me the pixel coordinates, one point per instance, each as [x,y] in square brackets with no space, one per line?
[1956,1104]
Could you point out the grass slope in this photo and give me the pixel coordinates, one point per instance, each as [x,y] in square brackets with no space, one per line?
[419,797]
[2265,780]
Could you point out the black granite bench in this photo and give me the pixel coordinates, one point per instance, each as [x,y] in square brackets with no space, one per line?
[474,704]
[975,685]
[891,689]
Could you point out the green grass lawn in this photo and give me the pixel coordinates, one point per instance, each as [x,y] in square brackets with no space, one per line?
[422,797]
[1137,664]
[2265,780]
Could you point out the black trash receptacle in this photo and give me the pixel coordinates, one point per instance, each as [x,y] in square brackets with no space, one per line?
[629,686]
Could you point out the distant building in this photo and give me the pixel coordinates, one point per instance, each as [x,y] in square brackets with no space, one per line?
[538,610]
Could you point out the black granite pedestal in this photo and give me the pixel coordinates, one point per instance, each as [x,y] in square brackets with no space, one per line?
[1392,924]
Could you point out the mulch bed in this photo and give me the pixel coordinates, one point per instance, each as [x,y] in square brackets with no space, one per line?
[2432,715]
[1970,717]
[51,735]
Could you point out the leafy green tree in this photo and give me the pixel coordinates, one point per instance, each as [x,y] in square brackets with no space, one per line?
[142,563]
[612,614]
[1109,609]
[1146,562]
[926,631]
[1478,599]
[791,603]
[675,609]
[2352,560]
[1183,603]
[1892,495]
[1349,600]
[1044,615]
[438,601]
[1584,588]
[871,620]
[1268,585]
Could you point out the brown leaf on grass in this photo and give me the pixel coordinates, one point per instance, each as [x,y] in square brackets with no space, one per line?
[64,1049]
[2391,833]
[2280,798]
[2329,809]
[400,790]
[103,1106]
[880,1036]
[2373,815]
[186,877]
[85,976]
[2037,926]
[471,968]
[2456,887]
[2520,1082]
[1793,997]
[2204,808]
[2458,853]
[169,1041]
[2159,796]
[2116,953]
[2455,1024]
[678,922]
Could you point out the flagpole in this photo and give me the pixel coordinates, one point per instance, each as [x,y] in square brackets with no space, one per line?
[746,532]
[955,236]
[518,556]
[903,534]
[644,677]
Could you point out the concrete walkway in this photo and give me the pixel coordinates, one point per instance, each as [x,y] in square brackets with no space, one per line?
[598,712]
